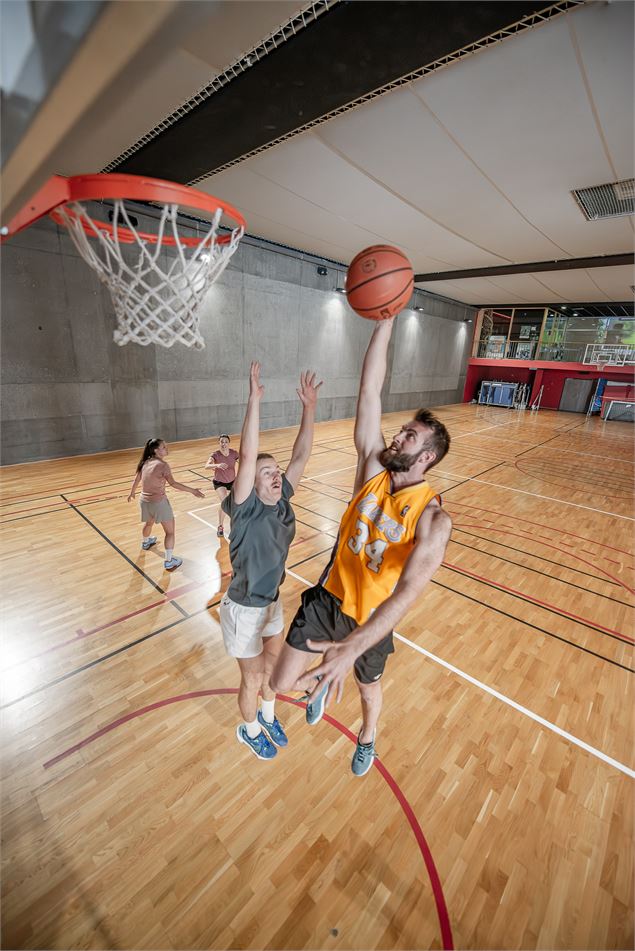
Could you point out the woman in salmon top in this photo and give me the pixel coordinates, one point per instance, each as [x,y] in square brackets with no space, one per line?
[223,462]
[153,472]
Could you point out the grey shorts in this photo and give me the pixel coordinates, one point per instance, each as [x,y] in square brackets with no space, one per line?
[156,511]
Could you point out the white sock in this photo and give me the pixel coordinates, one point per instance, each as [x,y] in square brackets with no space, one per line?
[267,708]
[168,554]
[253,729]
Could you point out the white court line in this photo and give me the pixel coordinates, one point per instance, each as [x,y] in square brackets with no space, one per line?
[211,506]
[454,438]
[331,472]
[507,700]
[594,455]
[536,495]
[455,475]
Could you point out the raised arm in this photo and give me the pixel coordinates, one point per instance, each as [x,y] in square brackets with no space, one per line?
[369,440]
[133,488]
[249,438]
[308,393]
[432,536]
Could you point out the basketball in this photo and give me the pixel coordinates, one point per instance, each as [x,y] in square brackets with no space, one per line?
[379,282]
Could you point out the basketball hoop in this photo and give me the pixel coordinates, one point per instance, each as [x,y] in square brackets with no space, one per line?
[156,280]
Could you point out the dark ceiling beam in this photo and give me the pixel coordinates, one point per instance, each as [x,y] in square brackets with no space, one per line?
[532,267]
[346,53]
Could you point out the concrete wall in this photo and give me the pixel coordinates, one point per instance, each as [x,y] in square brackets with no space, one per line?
[66,388]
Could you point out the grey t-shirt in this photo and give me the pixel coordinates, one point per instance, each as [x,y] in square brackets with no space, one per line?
[258,546]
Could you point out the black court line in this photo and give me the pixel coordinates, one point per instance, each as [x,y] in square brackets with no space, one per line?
[123,555]
[470,478]
[518,597]
[543,607]
[535,627]
[20,518]
[575,476]
[326,494]
[90,488]
[137,641]
[549,561]
[537,446]
[323,551]
[322,531]
[336,521]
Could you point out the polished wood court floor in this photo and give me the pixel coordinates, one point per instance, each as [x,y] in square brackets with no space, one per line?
[499,813]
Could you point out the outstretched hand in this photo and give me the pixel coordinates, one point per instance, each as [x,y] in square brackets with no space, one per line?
[336,663]
[308,390]
[256,389]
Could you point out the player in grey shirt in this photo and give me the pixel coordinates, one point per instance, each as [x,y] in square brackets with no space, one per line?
[262,529]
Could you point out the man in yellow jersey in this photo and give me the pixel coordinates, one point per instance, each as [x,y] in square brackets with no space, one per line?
[392,539]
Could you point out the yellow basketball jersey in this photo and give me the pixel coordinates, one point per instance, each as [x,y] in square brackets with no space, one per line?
[376,536]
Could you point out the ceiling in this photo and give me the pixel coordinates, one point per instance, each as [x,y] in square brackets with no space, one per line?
[469,163]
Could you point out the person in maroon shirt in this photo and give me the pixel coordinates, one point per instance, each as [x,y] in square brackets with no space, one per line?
[223,462]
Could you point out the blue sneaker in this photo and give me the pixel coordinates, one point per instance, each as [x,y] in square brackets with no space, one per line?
[315,708]
[363,757]
[173,563]
[149,542]
[275,730]
[260,746]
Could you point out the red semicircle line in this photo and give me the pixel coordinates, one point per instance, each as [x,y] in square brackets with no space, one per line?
[424,848]
[560,531]
[590,564]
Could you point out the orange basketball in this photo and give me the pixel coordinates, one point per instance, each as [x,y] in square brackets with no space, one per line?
[379,282]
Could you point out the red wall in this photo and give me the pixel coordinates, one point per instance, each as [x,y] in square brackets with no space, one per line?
[506,374]
[551,376]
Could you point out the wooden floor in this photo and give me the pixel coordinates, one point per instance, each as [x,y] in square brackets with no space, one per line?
[499,813]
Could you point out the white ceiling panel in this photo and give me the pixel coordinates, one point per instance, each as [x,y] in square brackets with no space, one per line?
[575,285]
[604,33]
[417,157]
[614,282]
[277,213]
[233,29]
[306,168]
[522,112]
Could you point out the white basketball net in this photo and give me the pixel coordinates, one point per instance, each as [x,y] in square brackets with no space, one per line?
[156,290]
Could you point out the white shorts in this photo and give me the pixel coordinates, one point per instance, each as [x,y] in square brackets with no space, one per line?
[244,627]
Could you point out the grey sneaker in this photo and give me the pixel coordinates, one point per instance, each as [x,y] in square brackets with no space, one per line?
[363,757]
[315,708]
[173,563]
[149,542]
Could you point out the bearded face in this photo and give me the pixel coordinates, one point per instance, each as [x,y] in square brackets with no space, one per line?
[396,461]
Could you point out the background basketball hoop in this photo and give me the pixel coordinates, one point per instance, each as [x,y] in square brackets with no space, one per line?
[156,279]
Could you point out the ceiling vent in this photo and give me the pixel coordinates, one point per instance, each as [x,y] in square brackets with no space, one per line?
[607,201]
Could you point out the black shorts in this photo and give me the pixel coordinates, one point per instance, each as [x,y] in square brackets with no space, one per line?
[223,485]
[319,618]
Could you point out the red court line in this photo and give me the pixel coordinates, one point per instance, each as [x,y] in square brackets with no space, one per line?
[560,531]
[170,596]
[424,848]
[543,604]
[78,485]
[548,544]
[563,485]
